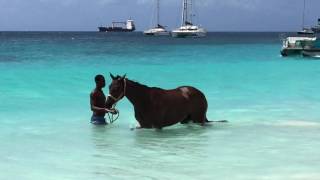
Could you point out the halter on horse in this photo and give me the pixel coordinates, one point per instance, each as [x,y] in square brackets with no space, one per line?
[114,116]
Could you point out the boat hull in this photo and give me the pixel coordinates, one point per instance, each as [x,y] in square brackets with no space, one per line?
[156,32]
[185,34]
[290,52]
[311,53]
[114,29]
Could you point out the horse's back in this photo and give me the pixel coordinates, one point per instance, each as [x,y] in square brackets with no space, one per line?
[191,92]
[179,105]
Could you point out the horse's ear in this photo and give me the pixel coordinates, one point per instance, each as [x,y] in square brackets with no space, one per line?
[124,76]
[112,77]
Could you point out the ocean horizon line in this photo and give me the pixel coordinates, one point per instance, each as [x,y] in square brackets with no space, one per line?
[142,31]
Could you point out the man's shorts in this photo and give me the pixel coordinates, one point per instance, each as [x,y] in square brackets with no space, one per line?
[98,120]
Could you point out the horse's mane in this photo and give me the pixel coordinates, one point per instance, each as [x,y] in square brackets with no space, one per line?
[136,83]
[142,85]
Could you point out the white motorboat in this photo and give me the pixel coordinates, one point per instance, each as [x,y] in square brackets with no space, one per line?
[295,45]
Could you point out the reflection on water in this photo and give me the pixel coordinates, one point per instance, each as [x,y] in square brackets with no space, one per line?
[175,136]
[123,150]
[195,152]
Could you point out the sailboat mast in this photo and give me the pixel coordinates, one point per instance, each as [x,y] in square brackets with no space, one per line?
[184,12]
[158,13]
[191,11]
[187,10]
[303,14]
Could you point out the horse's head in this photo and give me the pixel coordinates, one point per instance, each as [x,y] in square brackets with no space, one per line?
[117,90]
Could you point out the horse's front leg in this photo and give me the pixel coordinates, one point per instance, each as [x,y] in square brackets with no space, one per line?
[143,123]
[157,126]
[157,120]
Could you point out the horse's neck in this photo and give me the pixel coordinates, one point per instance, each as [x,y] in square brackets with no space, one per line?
[137,94]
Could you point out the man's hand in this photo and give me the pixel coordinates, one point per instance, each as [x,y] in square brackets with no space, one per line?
[112,111]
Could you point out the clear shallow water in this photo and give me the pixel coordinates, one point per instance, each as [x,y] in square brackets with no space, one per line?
[271,102]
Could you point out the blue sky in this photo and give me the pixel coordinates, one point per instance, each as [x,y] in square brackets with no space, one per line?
[214,15]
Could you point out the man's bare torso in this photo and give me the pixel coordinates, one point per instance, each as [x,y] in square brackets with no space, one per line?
[99,100]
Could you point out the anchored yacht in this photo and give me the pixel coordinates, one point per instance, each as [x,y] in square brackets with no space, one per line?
[188,29]
[296,45]
[158,30]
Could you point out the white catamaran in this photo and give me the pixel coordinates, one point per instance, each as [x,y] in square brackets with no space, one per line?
[187,28]
[158,30]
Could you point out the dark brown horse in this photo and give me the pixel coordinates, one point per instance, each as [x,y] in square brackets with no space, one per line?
[157,108]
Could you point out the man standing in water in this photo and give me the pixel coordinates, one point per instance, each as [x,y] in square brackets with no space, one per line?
[98,102]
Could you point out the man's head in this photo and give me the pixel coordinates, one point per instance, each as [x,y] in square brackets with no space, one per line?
[100,81]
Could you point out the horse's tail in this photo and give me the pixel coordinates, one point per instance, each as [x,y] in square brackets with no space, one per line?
[219,121]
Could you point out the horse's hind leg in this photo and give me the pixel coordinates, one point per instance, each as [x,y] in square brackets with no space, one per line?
[199,118]
[186,120]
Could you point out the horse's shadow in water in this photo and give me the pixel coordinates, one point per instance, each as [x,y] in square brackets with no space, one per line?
[157,108]
[180,139]
[185,130]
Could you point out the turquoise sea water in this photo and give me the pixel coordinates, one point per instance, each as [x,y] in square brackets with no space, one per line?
[272,104]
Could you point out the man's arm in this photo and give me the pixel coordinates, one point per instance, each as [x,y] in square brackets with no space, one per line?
[95,108]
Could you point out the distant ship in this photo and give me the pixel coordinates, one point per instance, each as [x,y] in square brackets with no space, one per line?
[119,27]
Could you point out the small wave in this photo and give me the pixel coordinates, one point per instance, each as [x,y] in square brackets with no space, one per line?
[298,123]
[5,59]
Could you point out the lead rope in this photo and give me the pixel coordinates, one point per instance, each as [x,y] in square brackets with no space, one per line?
[113,117]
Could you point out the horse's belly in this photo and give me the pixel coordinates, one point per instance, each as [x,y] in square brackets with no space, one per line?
[174,117]
[169,123]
